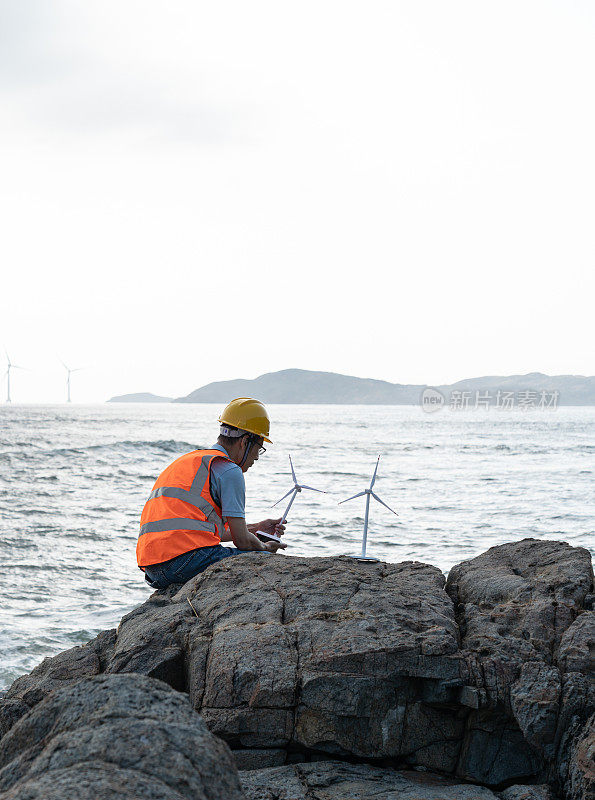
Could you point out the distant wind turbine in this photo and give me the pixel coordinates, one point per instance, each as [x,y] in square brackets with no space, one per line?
[69,371]
[10,366]
[368,493]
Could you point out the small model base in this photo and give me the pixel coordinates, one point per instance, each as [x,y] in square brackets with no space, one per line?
[359,558]
[269,537]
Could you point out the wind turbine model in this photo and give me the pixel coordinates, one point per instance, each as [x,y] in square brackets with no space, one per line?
[368,493]
[69,371]
[10,366]
[297,488]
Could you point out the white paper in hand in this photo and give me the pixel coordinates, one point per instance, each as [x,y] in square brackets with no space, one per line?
[268,536]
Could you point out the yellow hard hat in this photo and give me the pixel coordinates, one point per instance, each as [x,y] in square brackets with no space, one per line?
[247,414]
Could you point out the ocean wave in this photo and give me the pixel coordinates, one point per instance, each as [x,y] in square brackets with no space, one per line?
[163,445]
[166,445]
[21,455]
[344,474]
[436,508]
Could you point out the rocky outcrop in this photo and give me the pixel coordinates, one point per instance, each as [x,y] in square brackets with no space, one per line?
[124,736]
[334,780]
[529,644]
[517,600]
[487,678]
[322,655]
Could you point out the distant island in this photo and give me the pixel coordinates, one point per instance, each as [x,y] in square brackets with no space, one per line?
[140,397]
[300,386]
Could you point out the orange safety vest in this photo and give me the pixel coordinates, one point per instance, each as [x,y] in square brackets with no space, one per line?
[180,514]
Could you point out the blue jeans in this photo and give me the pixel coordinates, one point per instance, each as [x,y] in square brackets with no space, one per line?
[181,568]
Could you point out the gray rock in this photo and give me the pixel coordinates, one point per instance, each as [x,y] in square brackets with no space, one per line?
[516,601]
[535,701]
[148,640]
[494,750]
[520,611]
[115,736]
[580,784]
[92,781]
[259,759]
[538,792]
[577,646]
[335,780]
[327,654]
[312,658]
[577,704]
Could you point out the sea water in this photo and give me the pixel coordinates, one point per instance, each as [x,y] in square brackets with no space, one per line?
[73,481]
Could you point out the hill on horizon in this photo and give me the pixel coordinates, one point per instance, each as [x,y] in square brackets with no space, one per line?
[309,387]
[140,397]
[302,386]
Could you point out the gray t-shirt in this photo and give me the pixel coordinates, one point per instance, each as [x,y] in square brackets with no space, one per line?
[228,487]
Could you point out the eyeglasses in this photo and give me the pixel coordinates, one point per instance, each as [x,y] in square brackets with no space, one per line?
[252,443]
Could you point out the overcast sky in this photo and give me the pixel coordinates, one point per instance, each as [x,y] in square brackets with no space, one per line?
[197,191]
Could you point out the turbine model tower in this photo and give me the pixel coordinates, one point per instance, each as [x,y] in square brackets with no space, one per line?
[69,371]
[10,366]
[297,488]
[369,493]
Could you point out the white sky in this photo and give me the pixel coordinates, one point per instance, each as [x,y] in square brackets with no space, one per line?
[196,191]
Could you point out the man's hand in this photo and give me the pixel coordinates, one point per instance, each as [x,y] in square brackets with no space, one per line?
[272,547]
[243,536]
[271,526]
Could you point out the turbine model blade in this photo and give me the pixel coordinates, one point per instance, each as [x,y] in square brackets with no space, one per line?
[311,488]
[361,494]
[375,471]
[7,357]
[292,470]
[375,496]
[283,498]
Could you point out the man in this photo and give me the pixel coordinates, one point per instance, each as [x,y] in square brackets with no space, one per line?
[198,502]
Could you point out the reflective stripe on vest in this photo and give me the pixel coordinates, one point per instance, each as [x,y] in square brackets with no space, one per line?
[180,514]
[189,497]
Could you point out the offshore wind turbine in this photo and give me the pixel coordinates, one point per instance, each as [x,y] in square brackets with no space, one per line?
[369,493]
[69,371]
[10,366]
[297,488]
